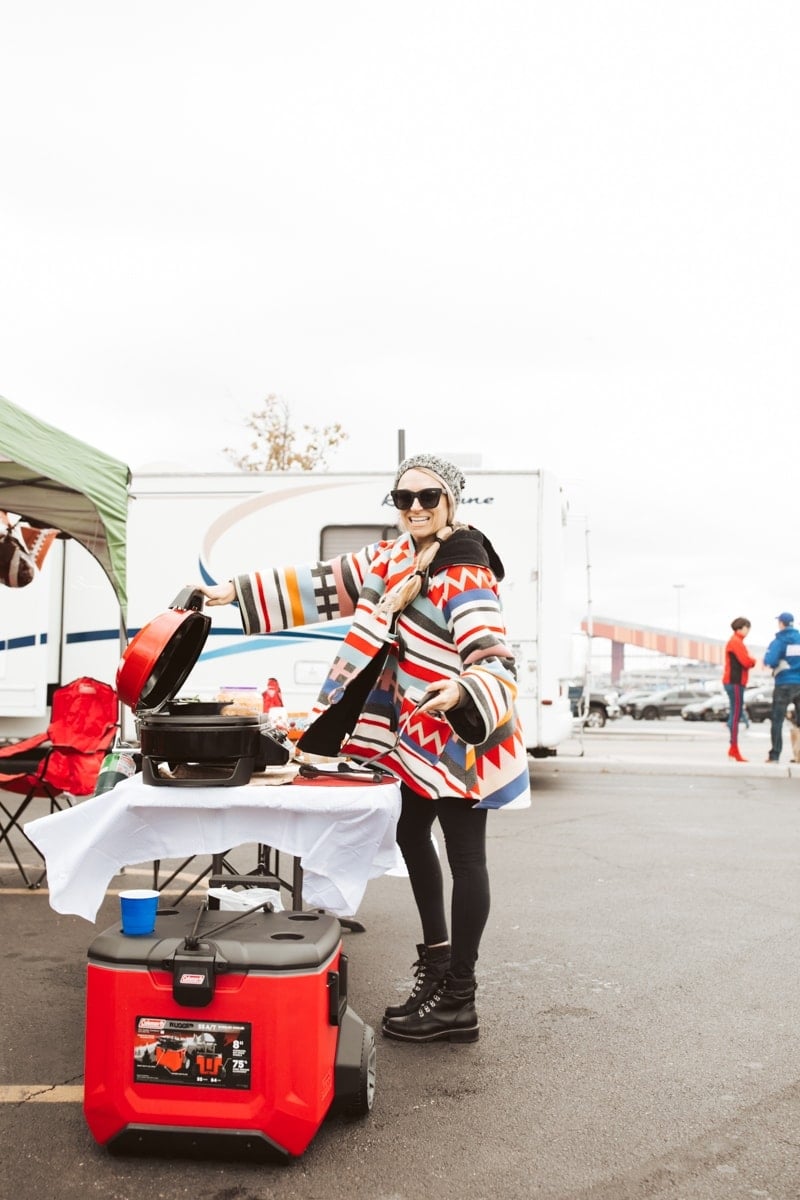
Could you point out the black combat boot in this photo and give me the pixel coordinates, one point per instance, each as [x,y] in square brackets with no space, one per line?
[429,970]
[449,1015]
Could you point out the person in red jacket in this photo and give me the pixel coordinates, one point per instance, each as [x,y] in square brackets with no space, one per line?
[738,662]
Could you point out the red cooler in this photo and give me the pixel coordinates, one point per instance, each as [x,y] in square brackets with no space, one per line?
[219,1036]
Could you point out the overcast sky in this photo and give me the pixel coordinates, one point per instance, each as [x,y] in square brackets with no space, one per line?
[553,234]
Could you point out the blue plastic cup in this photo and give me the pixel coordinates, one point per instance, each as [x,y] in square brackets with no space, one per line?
[138,907]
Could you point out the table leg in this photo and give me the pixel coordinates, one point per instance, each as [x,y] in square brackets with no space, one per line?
[297,886]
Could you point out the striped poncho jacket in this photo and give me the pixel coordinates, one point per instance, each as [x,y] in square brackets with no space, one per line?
[454,629]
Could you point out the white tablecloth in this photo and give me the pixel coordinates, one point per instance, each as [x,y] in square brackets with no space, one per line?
[343,835]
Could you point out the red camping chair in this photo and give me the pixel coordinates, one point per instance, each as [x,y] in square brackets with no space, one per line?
[64,761]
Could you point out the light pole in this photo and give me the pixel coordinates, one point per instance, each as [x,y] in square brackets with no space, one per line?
[678,589]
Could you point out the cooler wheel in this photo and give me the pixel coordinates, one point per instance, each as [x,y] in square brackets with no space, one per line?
[355,1067]
[360,1103]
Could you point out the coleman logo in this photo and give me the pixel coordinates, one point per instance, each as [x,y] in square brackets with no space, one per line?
[187,978]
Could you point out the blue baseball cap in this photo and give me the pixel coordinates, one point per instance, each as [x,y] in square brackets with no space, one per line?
[785,618]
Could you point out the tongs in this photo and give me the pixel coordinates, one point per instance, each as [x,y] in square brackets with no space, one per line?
[345,772]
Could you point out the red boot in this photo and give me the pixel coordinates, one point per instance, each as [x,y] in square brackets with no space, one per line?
[734,753]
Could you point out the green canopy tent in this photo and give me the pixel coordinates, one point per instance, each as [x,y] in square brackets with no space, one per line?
[53,479]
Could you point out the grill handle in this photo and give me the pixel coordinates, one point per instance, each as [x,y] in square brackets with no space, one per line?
[189,598]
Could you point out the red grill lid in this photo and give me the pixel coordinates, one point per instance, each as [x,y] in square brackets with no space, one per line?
[159,658]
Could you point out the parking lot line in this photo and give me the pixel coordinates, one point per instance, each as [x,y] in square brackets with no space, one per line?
[41,1093]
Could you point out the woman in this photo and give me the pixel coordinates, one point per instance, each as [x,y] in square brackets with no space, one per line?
[425,682]
[738,662]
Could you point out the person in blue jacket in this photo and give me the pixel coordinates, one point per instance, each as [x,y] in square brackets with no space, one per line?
[783,656]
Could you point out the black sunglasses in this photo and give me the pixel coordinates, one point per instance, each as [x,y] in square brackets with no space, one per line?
[428,498]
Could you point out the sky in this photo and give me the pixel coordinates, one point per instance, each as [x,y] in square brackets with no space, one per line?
[550,235]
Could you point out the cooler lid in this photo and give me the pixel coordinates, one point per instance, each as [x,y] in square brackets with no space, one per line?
[281,941]
[157,661]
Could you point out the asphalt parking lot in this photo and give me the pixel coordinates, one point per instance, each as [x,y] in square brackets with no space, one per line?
[694,747]
[638,1000]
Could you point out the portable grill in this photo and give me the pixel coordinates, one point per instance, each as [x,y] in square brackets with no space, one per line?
[187,744]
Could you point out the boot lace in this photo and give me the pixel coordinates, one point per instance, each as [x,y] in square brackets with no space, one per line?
[430,1003]
[420,971]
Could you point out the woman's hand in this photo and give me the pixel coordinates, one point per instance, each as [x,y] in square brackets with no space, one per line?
[218,593]
[440,697]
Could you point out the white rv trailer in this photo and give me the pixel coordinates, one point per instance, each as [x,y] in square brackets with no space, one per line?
[187,527]
[64,624]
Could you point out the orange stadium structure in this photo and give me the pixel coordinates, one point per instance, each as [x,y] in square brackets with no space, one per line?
[669,642]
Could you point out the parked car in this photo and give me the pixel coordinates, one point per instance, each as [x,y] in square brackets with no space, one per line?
[758,701]
[667,703]
[712,708]
[602,707]
[627,700]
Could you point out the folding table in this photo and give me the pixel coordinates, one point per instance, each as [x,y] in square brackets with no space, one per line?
[341,836]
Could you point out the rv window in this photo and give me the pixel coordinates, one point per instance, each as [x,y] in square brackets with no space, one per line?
[343,539]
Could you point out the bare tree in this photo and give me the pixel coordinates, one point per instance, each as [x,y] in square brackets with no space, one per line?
[274,446]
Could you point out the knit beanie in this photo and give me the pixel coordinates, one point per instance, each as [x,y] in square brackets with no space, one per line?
[449,474]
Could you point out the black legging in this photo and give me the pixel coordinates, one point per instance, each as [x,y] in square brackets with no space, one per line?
[464,830]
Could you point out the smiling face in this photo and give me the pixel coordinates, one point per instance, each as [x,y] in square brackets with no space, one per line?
[423,523]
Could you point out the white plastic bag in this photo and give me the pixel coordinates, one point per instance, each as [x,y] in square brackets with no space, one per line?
[240,899]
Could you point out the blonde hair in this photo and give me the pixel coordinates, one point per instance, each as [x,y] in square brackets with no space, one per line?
[399,598]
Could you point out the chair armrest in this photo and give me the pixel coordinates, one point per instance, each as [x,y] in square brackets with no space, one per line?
[23,764]
[23,749]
